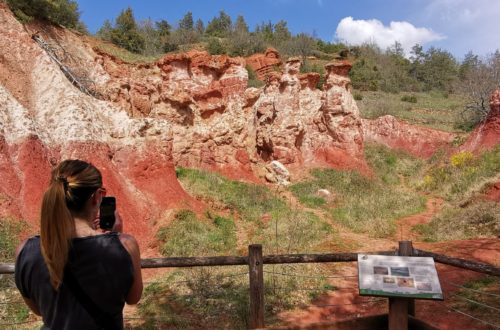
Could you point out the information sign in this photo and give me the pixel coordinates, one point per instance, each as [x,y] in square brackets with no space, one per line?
[391,276]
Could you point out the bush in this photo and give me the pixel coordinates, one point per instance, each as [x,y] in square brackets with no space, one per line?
[63,12]
[215,47]
[409,98]
[358,96]
[454,181]
[462,159]
[253,81]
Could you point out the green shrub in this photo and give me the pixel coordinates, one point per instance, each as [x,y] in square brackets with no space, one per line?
[358,96]
[253,80]
[63,12]
[409,98]
[216,47]
[453,181]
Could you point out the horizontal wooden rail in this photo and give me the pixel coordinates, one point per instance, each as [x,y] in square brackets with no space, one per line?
[193,261]
[460,263]
[7,268]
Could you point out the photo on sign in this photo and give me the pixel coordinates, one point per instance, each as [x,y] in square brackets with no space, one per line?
[377,270]
[400,271]
[389,282]
[424,286]
[404,282]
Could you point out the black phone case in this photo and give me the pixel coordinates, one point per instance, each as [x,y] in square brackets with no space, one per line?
[107,213]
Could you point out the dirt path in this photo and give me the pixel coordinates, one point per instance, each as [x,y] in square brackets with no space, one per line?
[405,225]
[345,303]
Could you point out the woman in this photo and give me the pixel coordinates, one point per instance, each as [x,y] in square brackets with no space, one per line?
[73,275]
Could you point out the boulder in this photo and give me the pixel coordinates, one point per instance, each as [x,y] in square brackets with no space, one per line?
[277,173]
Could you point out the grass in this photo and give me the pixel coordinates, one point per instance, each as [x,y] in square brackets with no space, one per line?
[481,219]
[251,201]
[434,110]
[124,54]
[10,313]
[189,236]
[369,205]
[9,233]
[464,299]
[216,297]
[454,178]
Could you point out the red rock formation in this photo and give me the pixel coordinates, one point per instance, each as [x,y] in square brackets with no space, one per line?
[58,122]
[397,134]
[487,134]
[298,124]
[264,64]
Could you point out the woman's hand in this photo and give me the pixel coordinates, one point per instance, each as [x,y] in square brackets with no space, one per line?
[117,227]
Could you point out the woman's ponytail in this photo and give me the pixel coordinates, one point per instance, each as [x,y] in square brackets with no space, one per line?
[57,227]
[56,231]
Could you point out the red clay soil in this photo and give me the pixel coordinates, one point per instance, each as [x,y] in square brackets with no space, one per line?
[487,134]
[493,192]
[345,303]
[406,224]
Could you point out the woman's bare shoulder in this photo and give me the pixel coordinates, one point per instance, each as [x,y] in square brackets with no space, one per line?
[129,242]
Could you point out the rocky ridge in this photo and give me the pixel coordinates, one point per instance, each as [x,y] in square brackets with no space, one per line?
[189,109]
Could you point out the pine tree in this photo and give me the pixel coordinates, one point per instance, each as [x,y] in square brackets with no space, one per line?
[125,33]
[186,23]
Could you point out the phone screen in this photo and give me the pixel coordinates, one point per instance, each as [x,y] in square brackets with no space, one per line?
[107,212]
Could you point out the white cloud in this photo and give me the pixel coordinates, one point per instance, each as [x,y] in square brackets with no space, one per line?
[469,25]
[357,32]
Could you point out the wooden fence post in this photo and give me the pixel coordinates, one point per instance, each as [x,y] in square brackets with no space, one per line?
[399,308]
[256,272]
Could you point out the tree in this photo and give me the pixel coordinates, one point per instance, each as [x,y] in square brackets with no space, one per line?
[470,62]
[199,27]
[480,79]
[281,33]
[105,31]
[219,26]
[240,26]
[63,12]
[125,33]
[151,35]
[185,34]
[301,45]
[163,28]
[265,30]
[186,23]
[439,70]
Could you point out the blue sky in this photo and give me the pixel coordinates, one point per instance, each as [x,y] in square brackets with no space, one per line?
[455,25]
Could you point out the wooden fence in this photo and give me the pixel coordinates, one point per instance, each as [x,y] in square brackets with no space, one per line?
[400,309]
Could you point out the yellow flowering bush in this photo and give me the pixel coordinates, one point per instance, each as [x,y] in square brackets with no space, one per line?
[462,159]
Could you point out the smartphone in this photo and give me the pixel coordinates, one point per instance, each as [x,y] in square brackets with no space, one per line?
[107,213]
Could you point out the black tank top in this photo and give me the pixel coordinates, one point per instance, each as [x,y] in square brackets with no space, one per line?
[101,266]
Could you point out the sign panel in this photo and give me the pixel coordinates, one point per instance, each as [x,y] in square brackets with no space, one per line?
[391,276]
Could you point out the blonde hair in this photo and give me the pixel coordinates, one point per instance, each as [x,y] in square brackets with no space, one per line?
[72,184]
